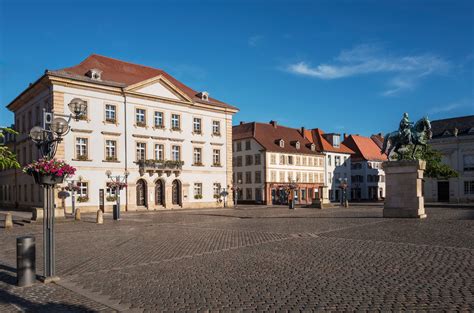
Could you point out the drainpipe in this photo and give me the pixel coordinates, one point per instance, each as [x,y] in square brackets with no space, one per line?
[125,145]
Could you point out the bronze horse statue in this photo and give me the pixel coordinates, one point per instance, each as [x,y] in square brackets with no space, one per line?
[420,133]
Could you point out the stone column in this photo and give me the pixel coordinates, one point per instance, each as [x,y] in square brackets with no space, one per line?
[404,189]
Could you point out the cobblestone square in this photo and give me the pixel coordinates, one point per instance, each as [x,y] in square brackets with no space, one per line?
[251,259]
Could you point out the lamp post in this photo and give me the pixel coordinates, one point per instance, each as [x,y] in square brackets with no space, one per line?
[236,188]
[47,139]
[118,183]
[343,186]
[72,187]
[292,186]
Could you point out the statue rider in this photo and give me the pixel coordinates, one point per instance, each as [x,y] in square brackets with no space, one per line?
[405,129]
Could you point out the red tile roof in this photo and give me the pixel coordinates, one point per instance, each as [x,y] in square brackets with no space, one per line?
[268,135]
[316,136]
[126,74]
[378,139]
[365,148]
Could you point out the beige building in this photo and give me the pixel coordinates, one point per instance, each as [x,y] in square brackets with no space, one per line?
[175,142]
[269,157]
[454,138]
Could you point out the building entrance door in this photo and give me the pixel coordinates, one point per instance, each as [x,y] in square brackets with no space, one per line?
[159,192]
[141,193]
[443,191]
[176,192]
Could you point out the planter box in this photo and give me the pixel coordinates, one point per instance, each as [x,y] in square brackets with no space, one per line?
[47,179]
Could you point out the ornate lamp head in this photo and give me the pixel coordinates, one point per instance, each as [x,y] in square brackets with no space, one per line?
[108,173]
[60,126]
[37,133]
[78,107]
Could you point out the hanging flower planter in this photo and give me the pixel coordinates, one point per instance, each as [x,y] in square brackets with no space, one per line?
[49,171]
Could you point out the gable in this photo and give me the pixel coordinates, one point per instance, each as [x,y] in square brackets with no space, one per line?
[159,87]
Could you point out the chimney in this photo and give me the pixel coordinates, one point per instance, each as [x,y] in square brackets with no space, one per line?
[344,136]
[380,134]
[242,123]
[302,131]
[273,123]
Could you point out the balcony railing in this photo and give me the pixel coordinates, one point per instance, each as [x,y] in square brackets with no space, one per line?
[160,167]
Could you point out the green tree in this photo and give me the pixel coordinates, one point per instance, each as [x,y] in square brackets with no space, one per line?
[434,167]
[7,157]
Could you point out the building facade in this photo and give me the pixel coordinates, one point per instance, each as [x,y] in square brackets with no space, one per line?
[175,142]
[268,158]
[337,162]
[367,175]
[454,138]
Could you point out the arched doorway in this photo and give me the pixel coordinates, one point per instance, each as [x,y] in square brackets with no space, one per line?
[176,192]
[159,192]
[141,193]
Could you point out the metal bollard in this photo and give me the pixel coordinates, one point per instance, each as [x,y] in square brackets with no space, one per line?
[25,261]
[115,212]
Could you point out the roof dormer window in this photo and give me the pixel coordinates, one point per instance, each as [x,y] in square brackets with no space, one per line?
[296,143]
[280,143]
[95,74]
[204,95]
[313,147]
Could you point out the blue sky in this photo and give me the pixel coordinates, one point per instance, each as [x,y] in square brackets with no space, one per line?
[343,66]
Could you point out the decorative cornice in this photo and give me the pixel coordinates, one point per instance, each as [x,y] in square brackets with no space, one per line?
[110,133]
[77,130]
[140,136]
[216,144]
[198,142]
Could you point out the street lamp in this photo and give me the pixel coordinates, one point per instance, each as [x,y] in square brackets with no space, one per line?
[236,188]
[117,182]
[47,138]
[292,186]
[343,185]
[72,187]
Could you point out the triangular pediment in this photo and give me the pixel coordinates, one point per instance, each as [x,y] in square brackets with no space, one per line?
[159,87]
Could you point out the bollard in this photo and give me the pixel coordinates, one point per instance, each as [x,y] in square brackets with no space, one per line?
[25,261]
[100,217]
[77,215]
[115,212]
[8,220]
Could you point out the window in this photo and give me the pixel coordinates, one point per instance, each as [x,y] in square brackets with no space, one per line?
[468,162]
[337,160]
[239,146]
[197,125]
[140,117]
[82,192]
[257,159]
[282,177]
[248,177]
[110,113]
[247,145]
[248,193]
[281,143]
[159,152]
[197,156]
[345,159]
[304,161]
[81,148]
[329,160]
[141,151]
[216,128]
[239,178]
[273,176]
[110,150]
[239,161]
[216,157]
[282,159]
[110,192]
[258,194]
[298,160]
[175,122]
[176,153]
[258,177]
[272,158]
[290,159]
[158,120]
[197,190]
[336,141]
[469,187]
[217,190]
[249,159]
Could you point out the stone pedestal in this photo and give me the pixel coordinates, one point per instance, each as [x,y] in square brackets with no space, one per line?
[404,189]
[325,195]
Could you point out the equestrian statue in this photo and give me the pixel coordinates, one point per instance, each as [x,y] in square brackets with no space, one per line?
[408,133]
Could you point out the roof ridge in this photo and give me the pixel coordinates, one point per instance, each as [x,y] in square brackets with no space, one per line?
[454,118]
[127,62]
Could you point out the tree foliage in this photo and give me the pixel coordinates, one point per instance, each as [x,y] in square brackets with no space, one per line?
[434,166]
[7,157]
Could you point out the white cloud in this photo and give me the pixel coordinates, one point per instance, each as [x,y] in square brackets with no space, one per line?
[451,106]
[371,59]
[254,40]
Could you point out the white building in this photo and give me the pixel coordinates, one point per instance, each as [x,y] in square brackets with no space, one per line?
[454,138]
[139,119]
[269,157]
[367,175]
[337,161]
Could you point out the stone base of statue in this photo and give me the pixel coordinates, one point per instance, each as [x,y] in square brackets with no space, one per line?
[404,189]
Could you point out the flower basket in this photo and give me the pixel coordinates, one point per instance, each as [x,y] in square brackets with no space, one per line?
[82,199]
[49,171]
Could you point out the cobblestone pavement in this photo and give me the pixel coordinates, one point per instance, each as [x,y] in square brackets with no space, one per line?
[252,258]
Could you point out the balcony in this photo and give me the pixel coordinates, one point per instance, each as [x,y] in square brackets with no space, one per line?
[160,167]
